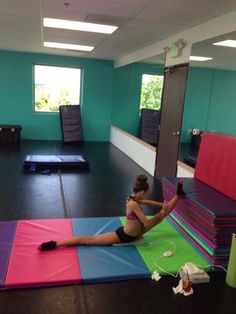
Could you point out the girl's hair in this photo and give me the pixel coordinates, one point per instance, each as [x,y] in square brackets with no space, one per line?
[141,183]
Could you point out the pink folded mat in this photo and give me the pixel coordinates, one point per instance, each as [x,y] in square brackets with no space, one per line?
[29,267]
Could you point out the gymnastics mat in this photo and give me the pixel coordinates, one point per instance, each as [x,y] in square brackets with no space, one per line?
[218,234]
[29,267]
[210,203]
[71,123]
[106,262]
[220,260]
[215,246]
[220,246]
[164,237]
[55,162]
[7,231]
[216,162]
[206,217]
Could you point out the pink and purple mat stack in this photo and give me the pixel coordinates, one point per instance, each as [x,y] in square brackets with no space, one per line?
[22,265]
[207,215]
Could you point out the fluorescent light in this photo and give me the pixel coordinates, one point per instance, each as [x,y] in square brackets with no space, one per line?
[79,26]
[67,46]
[226,43]
[198,58]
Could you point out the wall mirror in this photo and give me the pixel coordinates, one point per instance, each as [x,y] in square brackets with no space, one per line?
[137,87]
[210,99]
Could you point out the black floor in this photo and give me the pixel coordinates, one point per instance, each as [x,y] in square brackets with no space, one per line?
[101,191]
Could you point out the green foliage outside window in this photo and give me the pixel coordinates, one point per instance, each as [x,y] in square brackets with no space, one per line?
[151,91]
[45,102]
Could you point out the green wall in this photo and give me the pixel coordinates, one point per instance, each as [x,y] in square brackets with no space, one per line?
[111,96]
[210,101]
[126,95]
[16,95]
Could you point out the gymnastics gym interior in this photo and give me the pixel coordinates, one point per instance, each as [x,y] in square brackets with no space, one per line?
[67,165]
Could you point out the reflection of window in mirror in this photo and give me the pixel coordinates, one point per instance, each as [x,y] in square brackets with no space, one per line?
[151,91]
[150,103]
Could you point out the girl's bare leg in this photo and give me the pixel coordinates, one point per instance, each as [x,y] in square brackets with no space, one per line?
[179,194]
[171,204]
[168,207]
[161,215]
[100,239]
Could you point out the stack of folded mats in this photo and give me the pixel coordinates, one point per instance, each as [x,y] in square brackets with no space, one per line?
[207,215]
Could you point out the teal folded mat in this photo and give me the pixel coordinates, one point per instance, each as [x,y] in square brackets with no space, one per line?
[106,262]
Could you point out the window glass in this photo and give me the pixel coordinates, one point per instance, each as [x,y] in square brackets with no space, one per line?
[151,91]
[55,86]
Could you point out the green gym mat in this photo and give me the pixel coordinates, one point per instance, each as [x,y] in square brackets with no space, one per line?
[164,237]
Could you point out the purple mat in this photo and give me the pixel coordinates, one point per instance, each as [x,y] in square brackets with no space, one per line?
[197,232]
[219,236]
[188,207]
[186,213]
[225,242]
[206,197]
[213,226]
[7,232]
[224,249]
[200,213]
[217,230]
[212,259]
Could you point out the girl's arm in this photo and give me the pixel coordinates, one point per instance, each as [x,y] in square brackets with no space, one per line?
[151,203]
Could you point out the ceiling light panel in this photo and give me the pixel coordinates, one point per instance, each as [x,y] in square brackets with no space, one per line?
[71,37]
[226,43]
[79,26]
[67,46]
[198,58]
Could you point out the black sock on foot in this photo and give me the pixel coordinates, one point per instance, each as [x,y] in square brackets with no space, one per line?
[48,245]
[180,191]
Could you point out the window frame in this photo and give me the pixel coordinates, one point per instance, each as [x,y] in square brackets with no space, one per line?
[34,86]
[150,74]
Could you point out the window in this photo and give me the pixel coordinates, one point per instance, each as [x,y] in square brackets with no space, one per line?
[151,91]
[55,86]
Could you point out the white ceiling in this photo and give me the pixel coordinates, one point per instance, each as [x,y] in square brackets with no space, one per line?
[141,23]
[223,57]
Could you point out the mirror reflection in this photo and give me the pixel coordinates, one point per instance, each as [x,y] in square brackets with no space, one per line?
[210,95]
[138,91]
[209,99]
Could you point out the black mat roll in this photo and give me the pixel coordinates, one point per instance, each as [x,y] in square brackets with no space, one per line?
[71,123]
